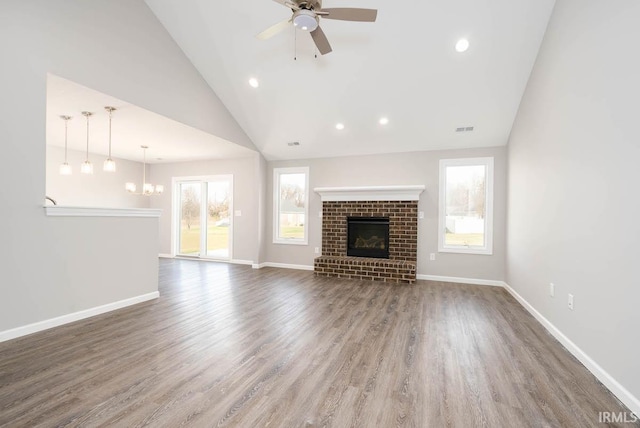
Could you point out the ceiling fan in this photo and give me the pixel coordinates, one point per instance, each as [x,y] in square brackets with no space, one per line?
[307,14]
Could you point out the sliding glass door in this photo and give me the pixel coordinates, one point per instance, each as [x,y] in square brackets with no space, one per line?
[218,218]
[202,216]
[189,230]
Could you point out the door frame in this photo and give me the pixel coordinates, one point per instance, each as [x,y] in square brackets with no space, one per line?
[175,213]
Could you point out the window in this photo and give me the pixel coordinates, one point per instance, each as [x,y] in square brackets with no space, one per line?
[290,205]
[466,206]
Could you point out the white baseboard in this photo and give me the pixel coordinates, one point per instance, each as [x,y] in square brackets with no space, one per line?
[629,400]
[165,256]
[281,265]
[75,316]
[200,259]
[461,280]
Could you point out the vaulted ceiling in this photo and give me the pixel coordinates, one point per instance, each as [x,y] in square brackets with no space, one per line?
[403,67]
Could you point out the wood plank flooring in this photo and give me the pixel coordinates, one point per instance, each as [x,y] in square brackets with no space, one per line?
[229,346]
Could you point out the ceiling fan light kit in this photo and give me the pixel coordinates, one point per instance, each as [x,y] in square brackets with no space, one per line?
[305,20]
[307,14]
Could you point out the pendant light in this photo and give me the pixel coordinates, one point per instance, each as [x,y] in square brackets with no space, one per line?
[65,168]
[109,164]
[148,189]
[87,166]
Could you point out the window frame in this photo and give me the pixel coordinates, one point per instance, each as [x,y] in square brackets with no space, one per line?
[487,248]
[176,213]
[277,172]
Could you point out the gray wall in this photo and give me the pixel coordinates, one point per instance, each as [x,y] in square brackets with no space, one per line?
[397,169]
[53,266]
[573,183]
[263,198]
[101,189]
[246,181]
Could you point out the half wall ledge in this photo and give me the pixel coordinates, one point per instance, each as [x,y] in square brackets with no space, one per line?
[69,211]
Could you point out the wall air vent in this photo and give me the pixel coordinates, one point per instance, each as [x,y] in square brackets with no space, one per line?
[293,143]
[464,129]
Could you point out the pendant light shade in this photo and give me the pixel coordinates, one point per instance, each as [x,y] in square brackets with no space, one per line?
[87,166]
[109,164]
[65,168]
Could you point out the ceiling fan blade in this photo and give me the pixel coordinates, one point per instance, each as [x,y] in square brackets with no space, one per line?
[350,14]
[321,41]
[273,30]
[289,4]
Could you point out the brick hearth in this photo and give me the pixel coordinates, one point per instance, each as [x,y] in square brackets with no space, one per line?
[403,241]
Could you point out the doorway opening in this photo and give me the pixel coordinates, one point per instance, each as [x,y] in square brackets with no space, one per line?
[202,216]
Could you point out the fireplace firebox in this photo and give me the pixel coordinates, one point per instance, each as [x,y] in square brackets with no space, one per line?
[368,237]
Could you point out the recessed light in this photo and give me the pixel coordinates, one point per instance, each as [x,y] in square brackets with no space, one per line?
[253,82]
[339,126]
[383,121]
[462,45]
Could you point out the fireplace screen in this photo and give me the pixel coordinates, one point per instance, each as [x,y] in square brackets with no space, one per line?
[368,237]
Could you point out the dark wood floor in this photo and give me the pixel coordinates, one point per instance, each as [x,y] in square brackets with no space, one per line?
[230,346]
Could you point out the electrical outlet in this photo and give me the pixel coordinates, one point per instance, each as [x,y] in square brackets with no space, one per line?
[238,213]
[421,214]
[570,301]
[552,289]
[432,256]
[317,250]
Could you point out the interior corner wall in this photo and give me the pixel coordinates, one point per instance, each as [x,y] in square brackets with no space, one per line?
[573,184]
[54,266]
[397,169]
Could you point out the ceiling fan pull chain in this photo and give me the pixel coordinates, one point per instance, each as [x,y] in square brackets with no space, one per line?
[295,44]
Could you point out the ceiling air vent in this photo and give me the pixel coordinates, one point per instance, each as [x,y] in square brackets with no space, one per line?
[464,129]
[293,143]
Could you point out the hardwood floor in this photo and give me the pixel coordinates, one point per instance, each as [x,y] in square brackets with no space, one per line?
[226,345]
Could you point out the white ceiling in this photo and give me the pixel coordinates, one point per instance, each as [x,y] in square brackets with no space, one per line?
[403,67]
[132,127]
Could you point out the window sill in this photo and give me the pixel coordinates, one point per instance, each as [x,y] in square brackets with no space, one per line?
[481,252]
[287,242]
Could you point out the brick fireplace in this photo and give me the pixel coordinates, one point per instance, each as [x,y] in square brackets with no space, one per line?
[398,204]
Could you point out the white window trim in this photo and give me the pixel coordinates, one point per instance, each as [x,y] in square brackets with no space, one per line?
[276,205]
[487,249]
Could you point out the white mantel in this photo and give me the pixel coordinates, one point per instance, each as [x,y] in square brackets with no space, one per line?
[371,193]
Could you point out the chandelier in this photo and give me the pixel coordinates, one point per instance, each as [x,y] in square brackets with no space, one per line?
[148,189]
